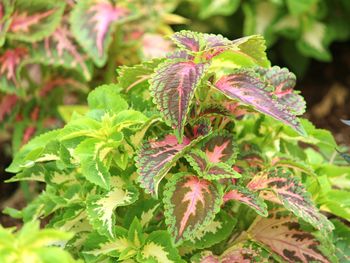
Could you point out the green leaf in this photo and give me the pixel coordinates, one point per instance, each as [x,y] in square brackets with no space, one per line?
[210,8]
[107,98]
[299,7]
[92,154]
[217,230]
[66,111]
[101,208]
[135,233]
[5,19]
[190,204]
[341,237]
[158,248]
[34,20]
[34,146]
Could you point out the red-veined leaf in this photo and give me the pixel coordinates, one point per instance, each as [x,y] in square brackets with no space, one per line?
[93,24]
[288,190]
[220,148]
[10,61]
[190,203]
[34,20]
[8,102]
[283,82]
[243,195]
[284,236]
[172,86]
[209,170]
[157,157]
[247,86]
[60,49]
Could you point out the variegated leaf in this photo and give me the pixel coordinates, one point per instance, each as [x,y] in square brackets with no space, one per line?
[243,195]
[7,104]
[172,86]
[156,158]
[136,77]
[207,169]
[190,204]
[220,148]
[100,208]
[145,210]
[10,61]
[216,231]
[288,190]
[93,24]
[244,252]
[6,10]
[158,248]
[195,42]
[283,82]
[34,20]
[93,154]
[284,236]
[60,49]
[97,246]
[246,86]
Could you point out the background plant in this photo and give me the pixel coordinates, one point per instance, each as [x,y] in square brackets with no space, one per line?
[52,51]
[295,31]
[225,169]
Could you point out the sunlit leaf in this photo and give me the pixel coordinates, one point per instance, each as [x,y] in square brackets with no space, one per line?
[247,87]
[243,195]
[100,208]
[281,186]
[284,236]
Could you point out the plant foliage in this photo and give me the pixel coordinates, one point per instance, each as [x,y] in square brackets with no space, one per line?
[200,156]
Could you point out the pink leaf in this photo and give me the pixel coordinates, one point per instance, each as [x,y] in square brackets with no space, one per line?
[173,86]
[23,21]
[190,204]
[288,190]
[247,197]
[248,87]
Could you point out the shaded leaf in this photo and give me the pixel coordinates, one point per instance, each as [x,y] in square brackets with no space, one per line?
[8,102]
[172,86]
[251,199]
[190,204]
[159,248]
[247,87]
[216,231]
[10,61]
[207,169]
[288,190]
[6,9]
[93,24]
[284,236]
[34,20]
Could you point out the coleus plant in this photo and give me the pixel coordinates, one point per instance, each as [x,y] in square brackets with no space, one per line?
[54,49]
[197,157]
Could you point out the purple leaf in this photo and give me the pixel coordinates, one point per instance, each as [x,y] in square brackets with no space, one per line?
[173,86]
[251,199]
[248,87]
[156,158]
